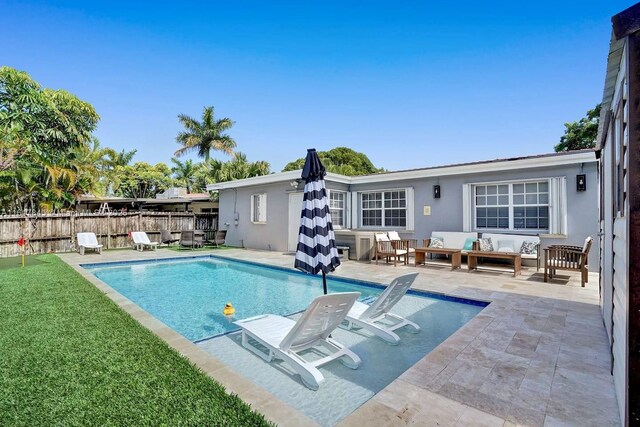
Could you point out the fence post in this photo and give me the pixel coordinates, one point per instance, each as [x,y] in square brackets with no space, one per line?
[25,226]
[108,230]
[139,220]
[72,218]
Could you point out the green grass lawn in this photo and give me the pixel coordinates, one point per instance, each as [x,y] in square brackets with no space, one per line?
[70,356]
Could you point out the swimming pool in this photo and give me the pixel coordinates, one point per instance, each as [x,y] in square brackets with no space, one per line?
[189,296]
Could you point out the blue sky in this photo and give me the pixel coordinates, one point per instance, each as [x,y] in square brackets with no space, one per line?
[411,84]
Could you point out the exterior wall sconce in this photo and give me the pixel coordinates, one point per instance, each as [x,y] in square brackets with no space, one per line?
[436,191]
[581,182]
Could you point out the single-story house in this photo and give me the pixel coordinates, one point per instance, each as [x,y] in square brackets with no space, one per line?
[554,196]
[619,153]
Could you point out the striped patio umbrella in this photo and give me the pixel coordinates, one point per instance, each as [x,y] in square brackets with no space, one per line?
[316,241]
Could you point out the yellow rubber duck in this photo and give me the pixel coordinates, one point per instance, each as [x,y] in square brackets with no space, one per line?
[228,309]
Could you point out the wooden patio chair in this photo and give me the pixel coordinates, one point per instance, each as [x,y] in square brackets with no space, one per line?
[400,243]
[385,248]
[565,257]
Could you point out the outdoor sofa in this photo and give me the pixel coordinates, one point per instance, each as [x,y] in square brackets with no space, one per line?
[528,246]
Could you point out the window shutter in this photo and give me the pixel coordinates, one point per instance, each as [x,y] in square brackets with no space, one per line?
[354,210]
[410,209]
[263,208]
[348,210]
[467,206]
[558,205]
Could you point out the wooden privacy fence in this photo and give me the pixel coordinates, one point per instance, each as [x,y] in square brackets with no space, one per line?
[57,232]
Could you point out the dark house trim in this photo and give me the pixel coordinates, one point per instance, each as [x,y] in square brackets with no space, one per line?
[633,200]
[626,22]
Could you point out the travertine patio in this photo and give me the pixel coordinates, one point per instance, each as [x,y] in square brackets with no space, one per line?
[537,355]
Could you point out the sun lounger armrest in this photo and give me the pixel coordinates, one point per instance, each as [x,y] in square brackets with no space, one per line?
[251,319]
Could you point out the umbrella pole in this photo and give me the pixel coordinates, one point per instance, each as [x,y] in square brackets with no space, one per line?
[324,282]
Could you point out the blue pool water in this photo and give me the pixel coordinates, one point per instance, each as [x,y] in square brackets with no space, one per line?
[189,296]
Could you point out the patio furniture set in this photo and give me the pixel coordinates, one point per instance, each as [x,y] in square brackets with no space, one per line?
[511,247]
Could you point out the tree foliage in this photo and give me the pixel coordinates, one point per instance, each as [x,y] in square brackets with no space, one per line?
[204,136]
[46,137]
[142,180]
[184,174]
[581,134]
[239,167]
[342,160]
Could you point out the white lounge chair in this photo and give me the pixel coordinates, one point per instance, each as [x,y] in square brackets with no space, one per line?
[141,240]
[88,241]
[376,318]
[285,339]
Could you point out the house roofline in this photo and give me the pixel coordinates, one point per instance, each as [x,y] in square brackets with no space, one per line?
[544,160]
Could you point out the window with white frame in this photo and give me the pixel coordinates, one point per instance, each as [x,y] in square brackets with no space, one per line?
[259,208]
[517,206]
[337,204]
[384,208]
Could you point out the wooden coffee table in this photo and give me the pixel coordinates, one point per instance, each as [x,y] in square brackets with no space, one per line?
[472,259]
[455,254]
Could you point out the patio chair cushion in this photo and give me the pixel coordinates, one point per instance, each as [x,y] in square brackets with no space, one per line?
[485,244]
[505,246]
[436,242]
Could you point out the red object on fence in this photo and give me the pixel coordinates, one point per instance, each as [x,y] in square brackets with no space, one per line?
[129,234]
[21,241]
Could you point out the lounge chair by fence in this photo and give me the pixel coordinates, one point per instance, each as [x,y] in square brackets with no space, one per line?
[88,241]
[141,241]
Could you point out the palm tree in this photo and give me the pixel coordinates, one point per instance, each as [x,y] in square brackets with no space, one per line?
[122,158]
[240,168]
[184,173]
[206,135]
